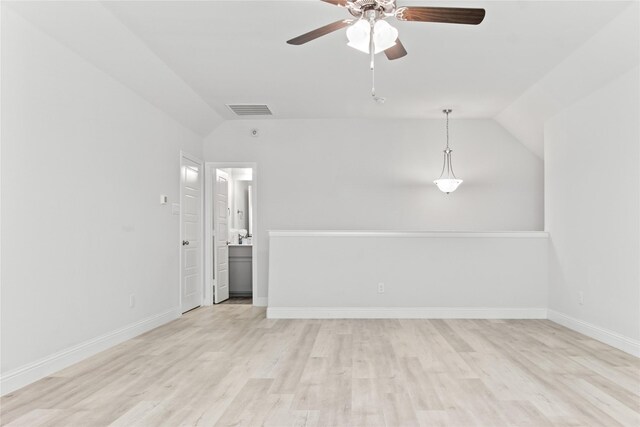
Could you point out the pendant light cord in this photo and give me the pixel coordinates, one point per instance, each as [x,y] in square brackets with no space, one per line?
[447,113]
[446,164]
[450,172]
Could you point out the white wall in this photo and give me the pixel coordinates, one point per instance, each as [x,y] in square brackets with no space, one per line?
[84,161]
[592,152]
[477,275]
[377,175]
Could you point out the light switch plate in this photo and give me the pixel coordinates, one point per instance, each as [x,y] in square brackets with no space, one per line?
[175,208]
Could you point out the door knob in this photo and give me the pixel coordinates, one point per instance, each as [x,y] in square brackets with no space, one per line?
[185,243]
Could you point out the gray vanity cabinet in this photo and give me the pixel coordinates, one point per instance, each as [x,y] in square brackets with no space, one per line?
[240,271]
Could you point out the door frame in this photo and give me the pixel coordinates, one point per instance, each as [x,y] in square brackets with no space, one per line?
[210,177]
[194,159]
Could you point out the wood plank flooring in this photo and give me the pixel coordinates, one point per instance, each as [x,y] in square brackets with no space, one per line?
[230,366]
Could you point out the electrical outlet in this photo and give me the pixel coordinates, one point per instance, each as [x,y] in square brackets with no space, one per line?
[381,288]
[581,298]
[132,300]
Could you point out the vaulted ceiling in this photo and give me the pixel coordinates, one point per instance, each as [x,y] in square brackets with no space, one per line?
[190,58]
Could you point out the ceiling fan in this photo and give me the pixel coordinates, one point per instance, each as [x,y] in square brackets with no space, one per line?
[370,33]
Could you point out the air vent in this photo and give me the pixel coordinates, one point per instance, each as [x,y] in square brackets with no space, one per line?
[250,109]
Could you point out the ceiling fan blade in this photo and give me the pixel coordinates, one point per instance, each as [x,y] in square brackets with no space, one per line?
[341,3]
[319,32]
[396,51]
[449,15]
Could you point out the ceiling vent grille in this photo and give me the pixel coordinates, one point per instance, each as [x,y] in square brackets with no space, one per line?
[250,109]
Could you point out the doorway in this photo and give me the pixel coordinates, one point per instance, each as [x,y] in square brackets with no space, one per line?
[231,241]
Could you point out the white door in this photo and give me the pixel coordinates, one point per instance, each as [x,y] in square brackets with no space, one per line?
[221,236]
[191,249]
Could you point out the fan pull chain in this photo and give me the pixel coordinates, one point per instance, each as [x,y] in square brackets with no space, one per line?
[372,63]
[372,52]
[373,76]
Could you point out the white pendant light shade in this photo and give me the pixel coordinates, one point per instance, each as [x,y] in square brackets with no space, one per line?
[447,185]
[384,36]
[358,35]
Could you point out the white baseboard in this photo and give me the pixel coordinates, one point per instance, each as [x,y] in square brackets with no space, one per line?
[35,371]
[404,313]
[260,301]
[614,339]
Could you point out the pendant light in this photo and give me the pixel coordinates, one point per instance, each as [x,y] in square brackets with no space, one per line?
[447,183]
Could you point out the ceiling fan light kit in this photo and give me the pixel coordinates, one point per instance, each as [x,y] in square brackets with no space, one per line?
[359,36]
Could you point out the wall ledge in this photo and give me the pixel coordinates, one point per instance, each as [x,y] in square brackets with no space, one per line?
[32,372]
[614,339]
[405,313]
[411,234]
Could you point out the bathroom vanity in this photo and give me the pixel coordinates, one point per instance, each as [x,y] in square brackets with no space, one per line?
[240,270]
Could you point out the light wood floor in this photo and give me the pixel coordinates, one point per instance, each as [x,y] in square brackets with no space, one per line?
[229,366]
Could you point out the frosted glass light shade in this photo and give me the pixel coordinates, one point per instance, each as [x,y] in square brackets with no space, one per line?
[358,35]
[384,36]
[447,185]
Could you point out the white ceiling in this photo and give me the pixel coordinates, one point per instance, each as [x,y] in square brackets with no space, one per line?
[235,52]
[225,52]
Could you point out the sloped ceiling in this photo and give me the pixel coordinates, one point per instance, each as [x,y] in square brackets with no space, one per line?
[96,35]
[190,58]
[608,54]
